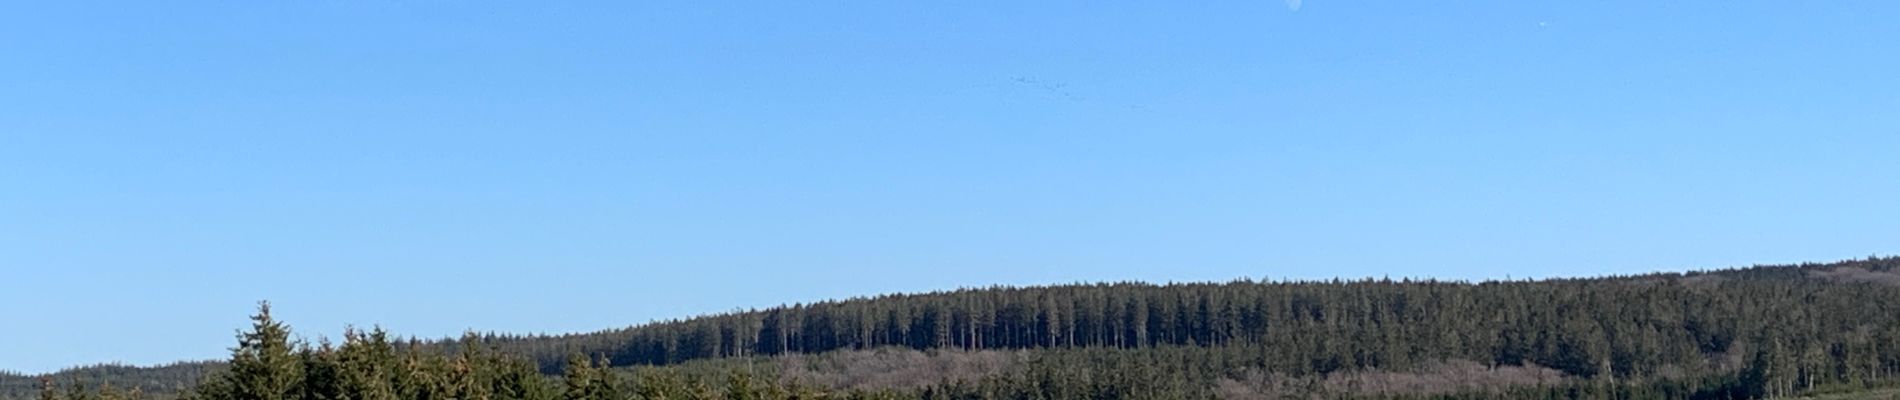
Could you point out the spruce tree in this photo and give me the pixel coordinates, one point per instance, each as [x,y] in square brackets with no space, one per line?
[369,365]
[588,380]
[265,365]
[322,374]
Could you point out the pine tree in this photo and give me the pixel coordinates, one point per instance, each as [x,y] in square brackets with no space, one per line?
[369,365]
[265,365]
[321,374]
[586,379]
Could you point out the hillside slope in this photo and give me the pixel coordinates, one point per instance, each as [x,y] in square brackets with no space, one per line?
[1396,321]
[1767,329]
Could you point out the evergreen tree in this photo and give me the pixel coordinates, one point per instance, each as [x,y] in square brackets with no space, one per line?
[48,391]
[265,364]
[586,379]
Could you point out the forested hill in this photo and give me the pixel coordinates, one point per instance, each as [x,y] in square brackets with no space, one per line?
[1418,318]
[1748,332]
[161,379]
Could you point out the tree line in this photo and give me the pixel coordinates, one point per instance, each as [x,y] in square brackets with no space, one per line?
[1805,325]
[268,364]
[1756,332]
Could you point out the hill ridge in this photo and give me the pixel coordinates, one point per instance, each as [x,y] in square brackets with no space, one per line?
[1265,314]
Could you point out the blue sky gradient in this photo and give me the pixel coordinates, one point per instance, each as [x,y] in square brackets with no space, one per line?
[436,166]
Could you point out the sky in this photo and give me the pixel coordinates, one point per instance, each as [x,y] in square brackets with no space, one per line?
[548,167]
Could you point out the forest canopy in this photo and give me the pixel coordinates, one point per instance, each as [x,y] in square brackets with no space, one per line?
[1766,331]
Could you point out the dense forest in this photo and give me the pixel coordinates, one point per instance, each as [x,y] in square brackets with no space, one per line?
[1758,332]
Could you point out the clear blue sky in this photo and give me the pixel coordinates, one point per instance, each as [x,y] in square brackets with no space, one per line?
[564,166]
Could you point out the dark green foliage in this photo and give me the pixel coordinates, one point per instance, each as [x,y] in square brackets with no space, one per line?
[161,380]
[1746,333]
[587,379]
[367,366]
[265,365]
[1620,326]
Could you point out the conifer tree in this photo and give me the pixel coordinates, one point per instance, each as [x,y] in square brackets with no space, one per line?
[77,391]
[739,387]
[265,365]
[369,365]
[48,391]
[587,380]
[660,385]
[322,374]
